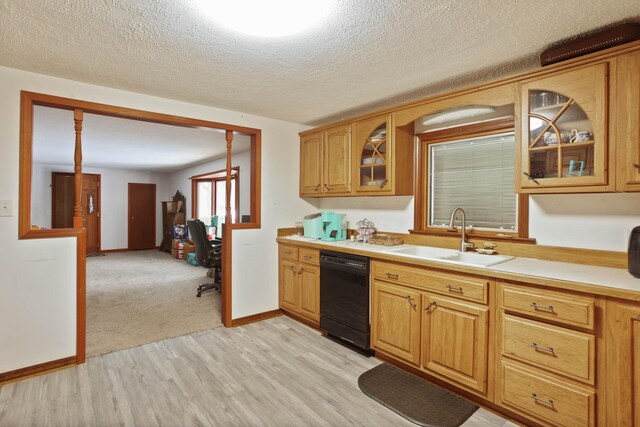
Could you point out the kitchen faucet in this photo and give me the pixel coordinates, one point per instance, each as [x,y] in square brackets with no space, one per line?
[463,245]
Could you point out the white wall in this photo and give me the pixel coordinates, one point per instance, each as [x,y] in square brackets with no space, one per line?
[591,221]
[37,277]
[114,199]
[179,180]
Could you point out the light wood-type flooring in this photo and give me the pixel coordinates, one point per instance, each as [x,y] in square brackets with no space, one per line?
[272,373]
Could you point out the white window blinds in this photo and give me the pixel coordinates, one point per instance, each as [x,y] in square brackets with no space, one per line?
[476,174]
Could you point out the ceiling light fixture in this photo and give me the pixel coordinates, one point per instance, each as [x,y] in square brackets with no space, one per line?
[266,18]
[456,114]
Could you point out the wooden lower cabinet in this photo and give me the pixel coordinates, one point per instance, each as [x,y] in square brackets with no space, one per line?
[623,363]
[299,287]
[549,400]
[395,318]
[289,295]
[455,338]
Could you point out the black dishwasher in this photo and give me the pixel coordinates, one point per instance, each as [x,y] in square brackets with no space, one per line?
[344,297]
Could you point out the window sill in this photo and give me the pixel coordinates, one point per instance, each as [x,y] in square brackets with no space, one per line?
[486,235]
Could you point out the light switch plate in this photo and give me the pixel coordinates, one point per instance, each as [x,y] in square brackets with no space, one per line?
[6,208]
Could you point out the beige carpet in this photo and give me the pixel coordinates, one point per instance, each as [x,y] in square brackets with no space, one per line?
[139,297]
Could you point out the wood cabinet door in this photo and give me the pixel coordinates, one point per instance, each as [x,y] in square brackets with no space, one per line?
[623,364]
[628,123]
[373,144]
[337,160]
[563,135]
[311,164]
[309,282]
[455,340]
[289,289]
[395,321]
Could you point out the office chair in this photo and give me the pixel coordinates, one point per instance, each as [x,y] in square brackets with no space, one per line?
[208,254]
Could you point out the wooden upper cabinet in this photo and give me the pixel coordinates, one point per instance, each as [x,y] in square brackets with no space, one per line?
[325,163]
[311,164]
[373,155]
[627,126]
[337,160]
[382,157]
[563,136]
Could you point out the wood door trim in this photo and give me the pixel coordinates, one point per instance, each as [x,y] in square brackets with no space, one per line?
[40,368]
[155,189]
[256,317]
[27,102]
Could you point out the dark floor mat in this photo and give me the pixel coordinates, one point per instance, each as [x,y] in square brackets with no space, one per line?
[416,399]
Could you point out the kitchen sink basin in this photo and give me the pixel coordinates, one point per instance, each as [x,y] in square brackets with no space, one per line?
[474,259]
[424,252]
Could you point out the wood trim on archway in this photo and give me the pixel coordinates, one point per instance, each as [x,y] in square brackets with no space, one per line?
[31,99]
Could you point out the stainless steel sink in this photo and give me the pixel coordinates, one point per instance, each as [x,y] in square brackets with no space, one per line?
[424,252]
[474,259]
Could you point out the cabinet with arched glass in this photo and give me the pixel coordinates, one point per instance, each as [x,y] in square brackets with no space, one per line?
[379,149]
[563,134]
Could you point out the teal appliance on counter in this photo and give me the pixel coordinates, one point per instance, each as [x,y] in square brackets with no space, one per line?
[313,226]
[326,226]
[334,226]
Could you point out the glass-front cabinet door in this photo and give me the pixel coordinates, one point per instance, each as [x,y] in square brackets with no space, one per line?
[373,155]
[564,139]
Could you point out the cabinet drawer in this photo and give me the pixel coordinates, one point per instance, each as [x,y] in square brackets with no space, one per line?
[558,306]
[545,398]
[288,252]
[309,256]
[456,285]
[549,347]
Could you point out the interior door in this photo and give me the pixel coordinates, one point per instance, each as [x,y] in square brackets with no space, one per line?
[142,216]
[91,211]
[63,200]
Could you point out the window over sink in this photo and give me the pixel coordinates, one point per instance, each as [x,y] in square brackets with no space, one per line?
[471,166]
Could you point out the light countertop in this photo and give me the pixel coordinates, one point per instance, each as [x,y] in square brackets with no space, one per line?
[586,278]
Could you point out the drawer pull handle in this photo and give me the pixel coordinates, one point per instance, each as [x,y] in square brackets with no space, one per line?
[413,304]
[544,401]
[454,288]
[432,304]
[307,257]
[392,276]
[317,187]
[287,252]
[327,187]
[537,347]
[637,166]
[384,183]
[541,307]
[300,272]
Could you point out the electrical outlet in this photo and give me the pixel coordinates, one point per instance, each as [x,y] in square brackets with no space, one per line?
[6,208]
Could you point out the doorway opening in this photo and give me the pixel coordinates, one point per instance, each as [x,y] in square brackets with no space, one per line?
[82,110]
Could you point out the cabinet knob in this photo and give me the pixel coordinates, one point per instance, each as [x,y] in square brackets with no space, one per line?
[413,304]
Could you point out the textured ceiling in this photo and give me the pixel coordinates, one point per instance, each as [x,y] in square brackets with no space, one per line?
[109,142]
[368,54]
